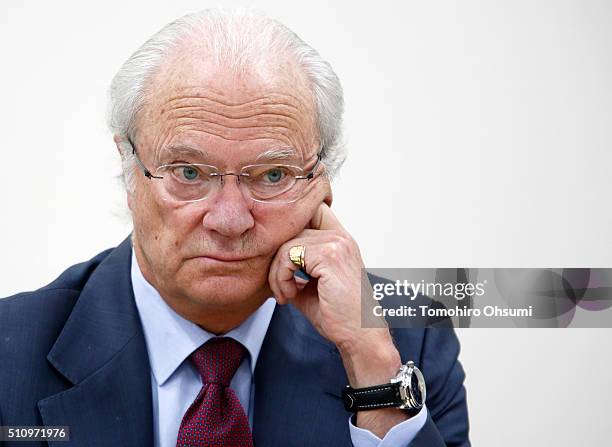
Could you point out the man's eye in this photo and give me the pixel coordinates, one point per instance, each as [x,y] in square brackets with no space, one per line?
[274,175]
[185,173]
[189,173]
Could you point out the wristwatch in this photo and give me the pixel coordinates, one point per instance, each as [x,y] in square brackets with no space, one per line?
[406,391]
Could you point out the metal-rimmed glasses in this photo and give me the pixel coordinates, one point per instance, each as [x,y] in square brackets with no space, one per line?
[266,183]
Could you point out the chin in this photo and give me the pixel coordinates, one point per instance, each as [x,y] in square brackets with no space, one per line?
[234,280]
[229,291]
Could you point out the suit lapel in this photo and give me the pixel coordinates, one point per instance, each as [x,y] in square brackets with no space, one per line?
[102,352]
[298,381]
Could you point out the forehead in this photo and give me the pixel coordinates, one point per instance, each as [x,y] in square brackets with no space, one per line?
[193,98]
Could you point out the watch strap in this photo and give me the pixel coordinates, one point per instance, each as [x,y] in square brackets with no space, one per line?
[372,397]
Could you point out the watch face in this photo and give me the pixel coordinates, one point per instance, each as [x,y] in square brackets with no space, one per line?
[417,386]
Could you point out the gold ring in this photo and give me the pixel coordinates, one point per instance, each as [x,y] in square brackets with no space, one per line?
[296,255]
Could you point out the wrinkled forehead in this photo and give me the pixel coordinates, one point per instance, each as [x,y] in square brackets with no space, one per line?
[197,102]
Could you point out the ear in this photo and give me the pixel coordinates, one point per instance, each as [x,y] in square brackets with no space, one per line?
[118,139]
[329,197]
[129,201]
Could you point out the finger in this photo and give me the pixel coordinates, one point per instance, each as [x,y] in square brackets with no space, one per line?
[285,279]
[325,219]
[275,289]
[285,273]
[284,276]
[282,270]
[309,233]
[288,277]
[301,277]
[297,291]
[300,283]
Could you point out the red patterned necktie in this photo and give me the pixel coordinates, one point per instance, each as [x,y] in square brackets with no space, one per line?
[216,417]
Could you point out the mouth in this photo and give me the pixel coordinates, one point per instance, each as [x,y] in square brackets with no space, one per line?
[223,258]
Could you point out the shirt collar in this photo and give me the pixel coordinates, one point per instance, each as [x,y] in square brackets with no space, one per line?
[171,338]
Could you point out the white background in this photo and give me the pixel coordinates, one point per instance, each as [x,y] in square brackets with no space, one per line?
[479,136]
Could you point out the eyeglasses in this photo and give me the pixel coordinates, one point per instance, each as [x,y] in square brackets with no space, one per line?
[266,183]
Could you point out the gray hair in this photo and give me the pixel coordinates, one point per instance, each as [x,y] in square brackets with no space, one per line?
[237,39]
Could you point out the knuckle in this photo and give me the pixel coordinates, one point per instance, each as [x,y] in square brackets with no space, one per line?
[345,242]
[335,251]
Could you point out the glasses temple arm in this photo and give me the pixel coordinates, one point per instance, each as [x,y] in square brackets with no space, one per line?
[145,171]
[311,174]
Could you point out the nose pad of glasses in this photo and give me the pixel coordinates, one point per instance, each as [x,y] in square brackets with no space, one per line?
[242,187]
[222,177]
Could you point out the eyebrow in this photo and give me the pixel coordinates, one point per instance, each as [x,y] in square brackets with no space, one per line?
[182,149]
[281,153]
[274,154]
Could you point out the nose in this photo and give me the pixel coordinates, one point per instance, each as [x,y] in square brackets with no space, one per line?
[229,213]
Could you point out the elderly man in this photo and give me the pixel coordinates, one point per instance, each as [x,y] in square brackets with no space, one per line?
[232,314]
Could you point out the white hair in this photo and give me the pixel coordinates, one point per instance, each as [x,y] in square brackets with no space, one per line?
[235,39]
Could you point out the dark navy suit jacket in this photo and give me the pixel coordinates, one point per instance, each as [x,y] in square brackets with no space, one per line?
[73,353]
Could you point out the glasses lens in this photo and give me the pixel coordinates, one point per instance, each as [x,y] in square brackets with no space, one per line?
[187,182]
[265,183]
[272,182]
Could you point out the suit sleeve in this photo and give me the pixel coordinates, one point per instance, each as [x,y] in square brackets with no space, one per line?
[399,436]
[447,422]
[1,424]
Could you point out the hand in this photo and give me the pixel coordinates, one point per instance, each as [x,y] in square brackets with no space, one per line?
[331,301]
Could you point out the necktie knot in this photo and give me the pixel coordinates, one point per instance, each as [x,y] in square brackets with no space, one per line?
[216,417]
[218,359]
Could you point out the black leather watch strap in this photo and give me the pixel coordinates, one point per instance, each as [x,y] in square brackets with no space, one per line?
[372,397]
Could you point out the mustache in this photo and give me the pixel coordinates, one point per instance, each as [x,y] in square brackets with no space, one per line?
[245,247]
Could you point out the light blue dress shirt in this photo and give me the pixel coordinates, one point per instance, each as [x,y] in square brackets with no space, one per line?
[175,383]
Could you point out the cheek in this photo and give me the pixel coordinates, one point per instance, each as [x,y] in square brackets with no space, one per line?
[162,230]
[280,223]
[283,222]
